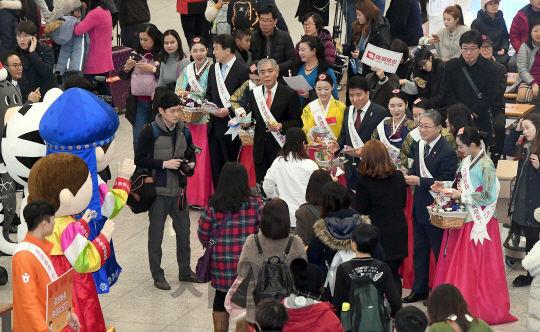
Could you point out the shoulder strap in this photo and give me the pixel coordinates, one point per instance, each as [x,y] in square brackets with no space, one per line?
[258,243]
[478,94]
[187,133]
[288,248]
[155,129]
[313,210]
[228,217]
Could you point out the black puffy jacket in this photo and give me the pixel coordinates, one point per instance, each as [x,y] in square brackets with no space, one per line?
[133,11]
[282,49]
[494,28]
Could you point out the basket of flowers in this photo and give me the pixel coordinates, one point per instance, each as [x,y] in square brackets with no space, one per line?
[449,216]
[190,110]
[247,136]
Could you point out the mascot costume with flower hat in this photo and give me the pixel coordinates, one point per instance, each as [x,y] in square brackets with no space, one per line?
[92,142]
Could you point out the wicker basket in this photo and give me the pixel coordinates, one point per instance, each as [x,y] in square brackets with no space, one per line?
[446,220]
[247,137]
[190,114]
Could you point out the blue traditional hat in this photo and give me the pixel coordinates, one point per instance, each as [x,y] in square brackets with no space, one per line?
[78,122]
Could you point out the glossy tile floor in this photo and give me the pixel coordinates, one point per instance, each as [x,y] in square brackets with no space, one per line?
[134,304]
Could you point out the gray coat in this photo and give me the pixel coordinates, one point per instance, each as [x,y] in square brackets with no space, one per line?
[525,61]
[74,48]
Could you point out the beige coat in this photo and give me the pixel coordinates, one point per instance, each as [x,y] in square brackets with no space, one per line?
[250,258]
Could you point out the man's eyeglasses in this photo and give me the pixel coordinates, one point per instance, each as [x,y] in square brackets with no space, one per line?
[266,20]
[471,50]
[16,65]
[22,37]
[487,47]
[425,127]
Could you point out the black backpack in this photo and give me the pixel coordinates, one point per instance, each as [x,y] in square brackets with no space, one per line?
[274,279]
[368,309]
[245,14]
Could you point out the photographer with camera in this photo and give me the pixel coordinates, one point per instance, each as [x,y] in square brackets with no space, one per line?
[166,148]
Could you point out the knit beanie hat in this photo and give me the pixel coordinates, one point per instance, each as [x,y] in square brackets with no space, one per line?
[484,3]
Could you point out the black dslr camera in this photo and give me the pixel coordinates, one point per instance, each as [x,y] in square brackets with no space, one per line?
[184,167]
[98,80]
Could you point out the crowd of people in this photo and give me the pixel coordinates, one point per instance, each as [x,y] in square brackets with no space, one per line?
[336,191]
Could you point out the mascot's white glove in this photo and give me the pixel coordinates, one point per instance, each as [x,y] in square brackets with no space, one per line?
[88,215]
[126,169]
[537,214]
[108,229]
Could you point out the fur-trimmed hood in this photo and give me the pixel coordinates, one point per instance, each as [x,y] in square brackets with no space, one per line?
[336,229]
[10,4]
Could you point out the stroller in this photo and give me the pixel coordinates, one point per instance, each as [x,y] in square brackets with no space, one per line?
[514,247]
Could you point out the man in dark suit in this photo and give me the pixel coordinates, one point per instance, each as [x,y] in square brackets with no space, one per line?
[283,104]
[366,116]
[271,42]
[234,74]
[438,163]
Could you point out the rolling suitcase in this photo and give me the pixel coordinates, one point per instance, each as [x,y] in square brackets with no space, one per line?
[119,88]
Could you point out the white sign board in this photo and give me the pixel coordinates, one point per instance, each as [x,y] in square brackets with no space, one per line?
[382,58]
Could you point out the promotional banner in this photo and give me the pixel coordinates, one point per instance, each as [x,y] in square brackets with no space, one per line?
[59,302]
[470,11]
[378,57]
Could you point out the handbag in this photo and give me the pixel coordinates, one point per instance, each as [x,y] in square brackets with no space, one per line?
[143,192]
[525,94]
[142,83]
[203,265]
[240,295]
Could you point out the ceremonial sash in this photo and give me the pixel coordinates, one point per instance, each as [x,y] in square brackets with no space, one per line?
[355,138]
[266,114]
[192,78]
[40,255]
[423,168]
[415,134]
[392,150]
[222,89]
[320,118]
[480,218]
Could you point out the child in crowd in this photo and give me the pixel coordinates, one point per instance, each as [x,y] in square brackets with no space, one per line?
[271,315]
[410,319]
[364,240]
[448,311]
[243,43]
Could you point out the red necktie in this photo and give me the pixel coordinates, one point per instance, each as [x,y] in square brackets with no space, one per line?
[269,99]
[358,121]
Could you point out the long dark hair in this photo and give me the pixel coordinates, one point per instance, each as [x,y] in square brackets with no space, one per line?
[459,116]
[535,119]
[93,4]
[446,300]
[529,41]
[232,190]
[316,181]
[179,53]
[334,198]
[295,138]
[153,32]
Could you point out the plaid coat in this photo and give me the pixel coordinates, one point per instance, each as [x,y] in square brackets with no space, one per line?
[229,244]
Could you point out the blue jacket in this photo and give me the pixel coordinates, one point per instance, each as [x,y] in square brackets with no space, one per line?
[405,21]
[74,49]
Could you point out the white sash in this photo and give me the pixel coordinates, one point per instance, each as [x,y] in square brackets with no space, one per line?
[355,138]
[392,150]
[192,78]
[40,255]
[415,134]
[266,114]
[320,118]
[480,218]
[423,168]
[222,89]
